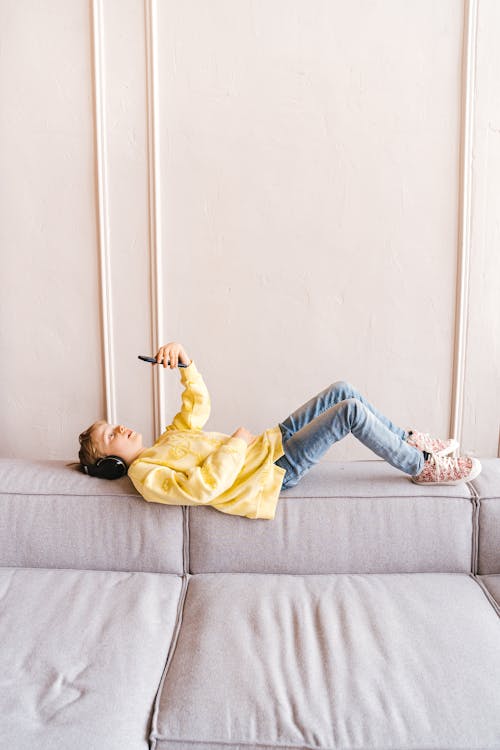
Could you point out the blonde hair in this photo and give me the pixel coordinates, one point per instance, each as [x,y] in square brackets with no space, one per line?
[89,453]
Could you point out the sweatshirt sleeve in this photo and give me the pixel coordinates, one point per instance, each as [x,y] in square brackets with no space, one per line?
[195,409]
[200,485]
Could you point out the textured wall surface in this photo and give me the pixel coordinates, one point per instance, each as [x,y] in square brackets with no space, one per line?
[482,372]
[308,177]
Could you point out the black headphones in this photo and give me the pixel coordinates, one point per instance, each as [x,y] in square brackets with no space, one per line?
[109,467]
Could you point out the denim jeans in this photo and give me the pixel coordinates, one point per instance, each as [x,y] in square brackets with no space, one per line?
[331,415]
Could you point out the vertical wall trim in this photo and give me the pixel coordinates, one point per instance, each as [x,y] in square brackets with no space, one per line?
[154,207]
[102,210]
[464,216]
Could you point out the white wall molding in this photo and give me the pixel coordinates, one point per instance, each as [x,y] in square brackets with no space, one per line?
[154,208]
[102,211]
[464,217]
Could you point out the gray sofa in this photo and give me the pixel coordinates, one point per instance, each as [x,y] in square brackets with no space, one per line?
[364,616]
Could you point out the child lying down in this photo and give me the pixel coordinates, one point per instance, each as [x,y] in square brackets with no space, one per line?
[243,474]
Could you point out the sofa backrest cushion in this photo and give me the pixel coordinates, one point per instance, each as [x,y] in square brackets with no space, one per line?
[343,517]
[53,516]
[355,516]
[487,487]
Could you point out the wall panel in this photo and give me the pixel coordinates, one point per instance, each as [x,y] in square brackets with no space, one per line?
[301,190]
[311,168]
[50,363]
[124,73]
[482,369]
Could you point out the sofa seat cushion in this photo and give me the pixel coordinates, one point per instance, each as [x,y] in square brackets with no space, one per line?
[81,656]
[339,661]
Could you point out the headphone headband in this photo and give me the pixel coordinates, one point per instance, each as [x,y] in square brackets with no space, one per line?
[109,467]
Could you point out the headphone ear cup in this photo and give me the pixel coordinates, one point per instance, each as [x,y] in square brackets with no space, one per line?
[109,467]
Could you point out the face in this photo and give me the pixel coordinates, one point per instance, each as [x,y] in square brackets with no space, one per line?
[118,441]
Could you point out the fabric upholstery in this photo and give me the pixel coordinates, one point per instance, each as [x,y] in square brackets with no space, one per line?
[357,517]
[487,486]
[82,654]
[394,661]
[492,584]
[365,616]
[56,517]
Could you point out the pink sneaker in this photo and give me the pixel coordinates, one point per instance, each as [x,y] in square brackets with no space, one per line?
[424,442]
[447,470]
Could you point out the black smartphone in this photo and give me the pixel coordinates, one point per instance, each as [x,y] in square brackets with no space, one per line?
[154,362]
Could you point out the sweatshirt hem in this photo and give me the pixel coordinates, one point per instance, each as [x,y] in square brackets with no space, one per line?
[267,503]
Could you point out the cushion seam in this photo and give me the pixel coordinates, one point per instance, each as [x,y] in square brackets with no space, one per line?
[185,540]
[375,497]
[476,502]
[70,494]
[488,595]
[153,735]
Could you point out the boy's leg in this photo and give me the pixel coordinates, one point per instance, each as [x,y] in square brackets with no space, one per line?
[333,394]
[304,448]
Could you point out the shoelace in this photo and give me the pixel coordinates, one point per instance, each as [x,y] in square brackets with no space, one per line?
[443,465]
[427,441]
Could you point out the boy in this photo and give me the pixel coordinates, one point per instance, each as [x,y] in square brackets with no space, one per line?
[243,474]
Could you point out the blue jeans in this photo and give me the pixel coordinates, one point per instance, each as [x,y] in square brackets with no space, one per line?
[331,415]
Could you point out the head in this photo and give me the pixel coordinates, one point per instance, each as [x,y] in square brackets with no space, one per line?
[102,439]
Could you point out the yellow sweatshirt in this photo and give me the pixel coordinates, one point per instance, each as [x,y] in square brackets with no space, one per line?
[186,466]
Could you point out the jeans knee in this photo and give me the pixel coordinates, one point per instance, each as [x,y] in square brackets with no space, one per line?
[354,408]
[342,386]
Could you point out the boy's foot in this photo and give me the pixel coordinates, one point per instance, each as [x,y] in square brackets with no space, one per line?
[424,442]
[447,470]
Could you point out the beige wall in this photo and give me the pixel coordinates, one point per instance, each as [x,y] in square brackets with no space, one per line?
[285,175]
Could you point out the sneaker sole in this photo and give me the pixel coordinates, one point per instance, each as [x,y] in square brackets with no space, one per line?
[474,472]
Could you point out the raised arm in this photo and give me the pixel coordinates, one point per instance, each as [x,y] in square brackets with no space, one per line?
[196,405]
[195,409]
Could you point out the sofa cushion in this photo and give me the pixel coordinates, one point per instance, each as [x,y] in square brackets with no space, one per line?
[357,516]
[52,516]
[394,661]
[487,487]
[82,654]
[492,585]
